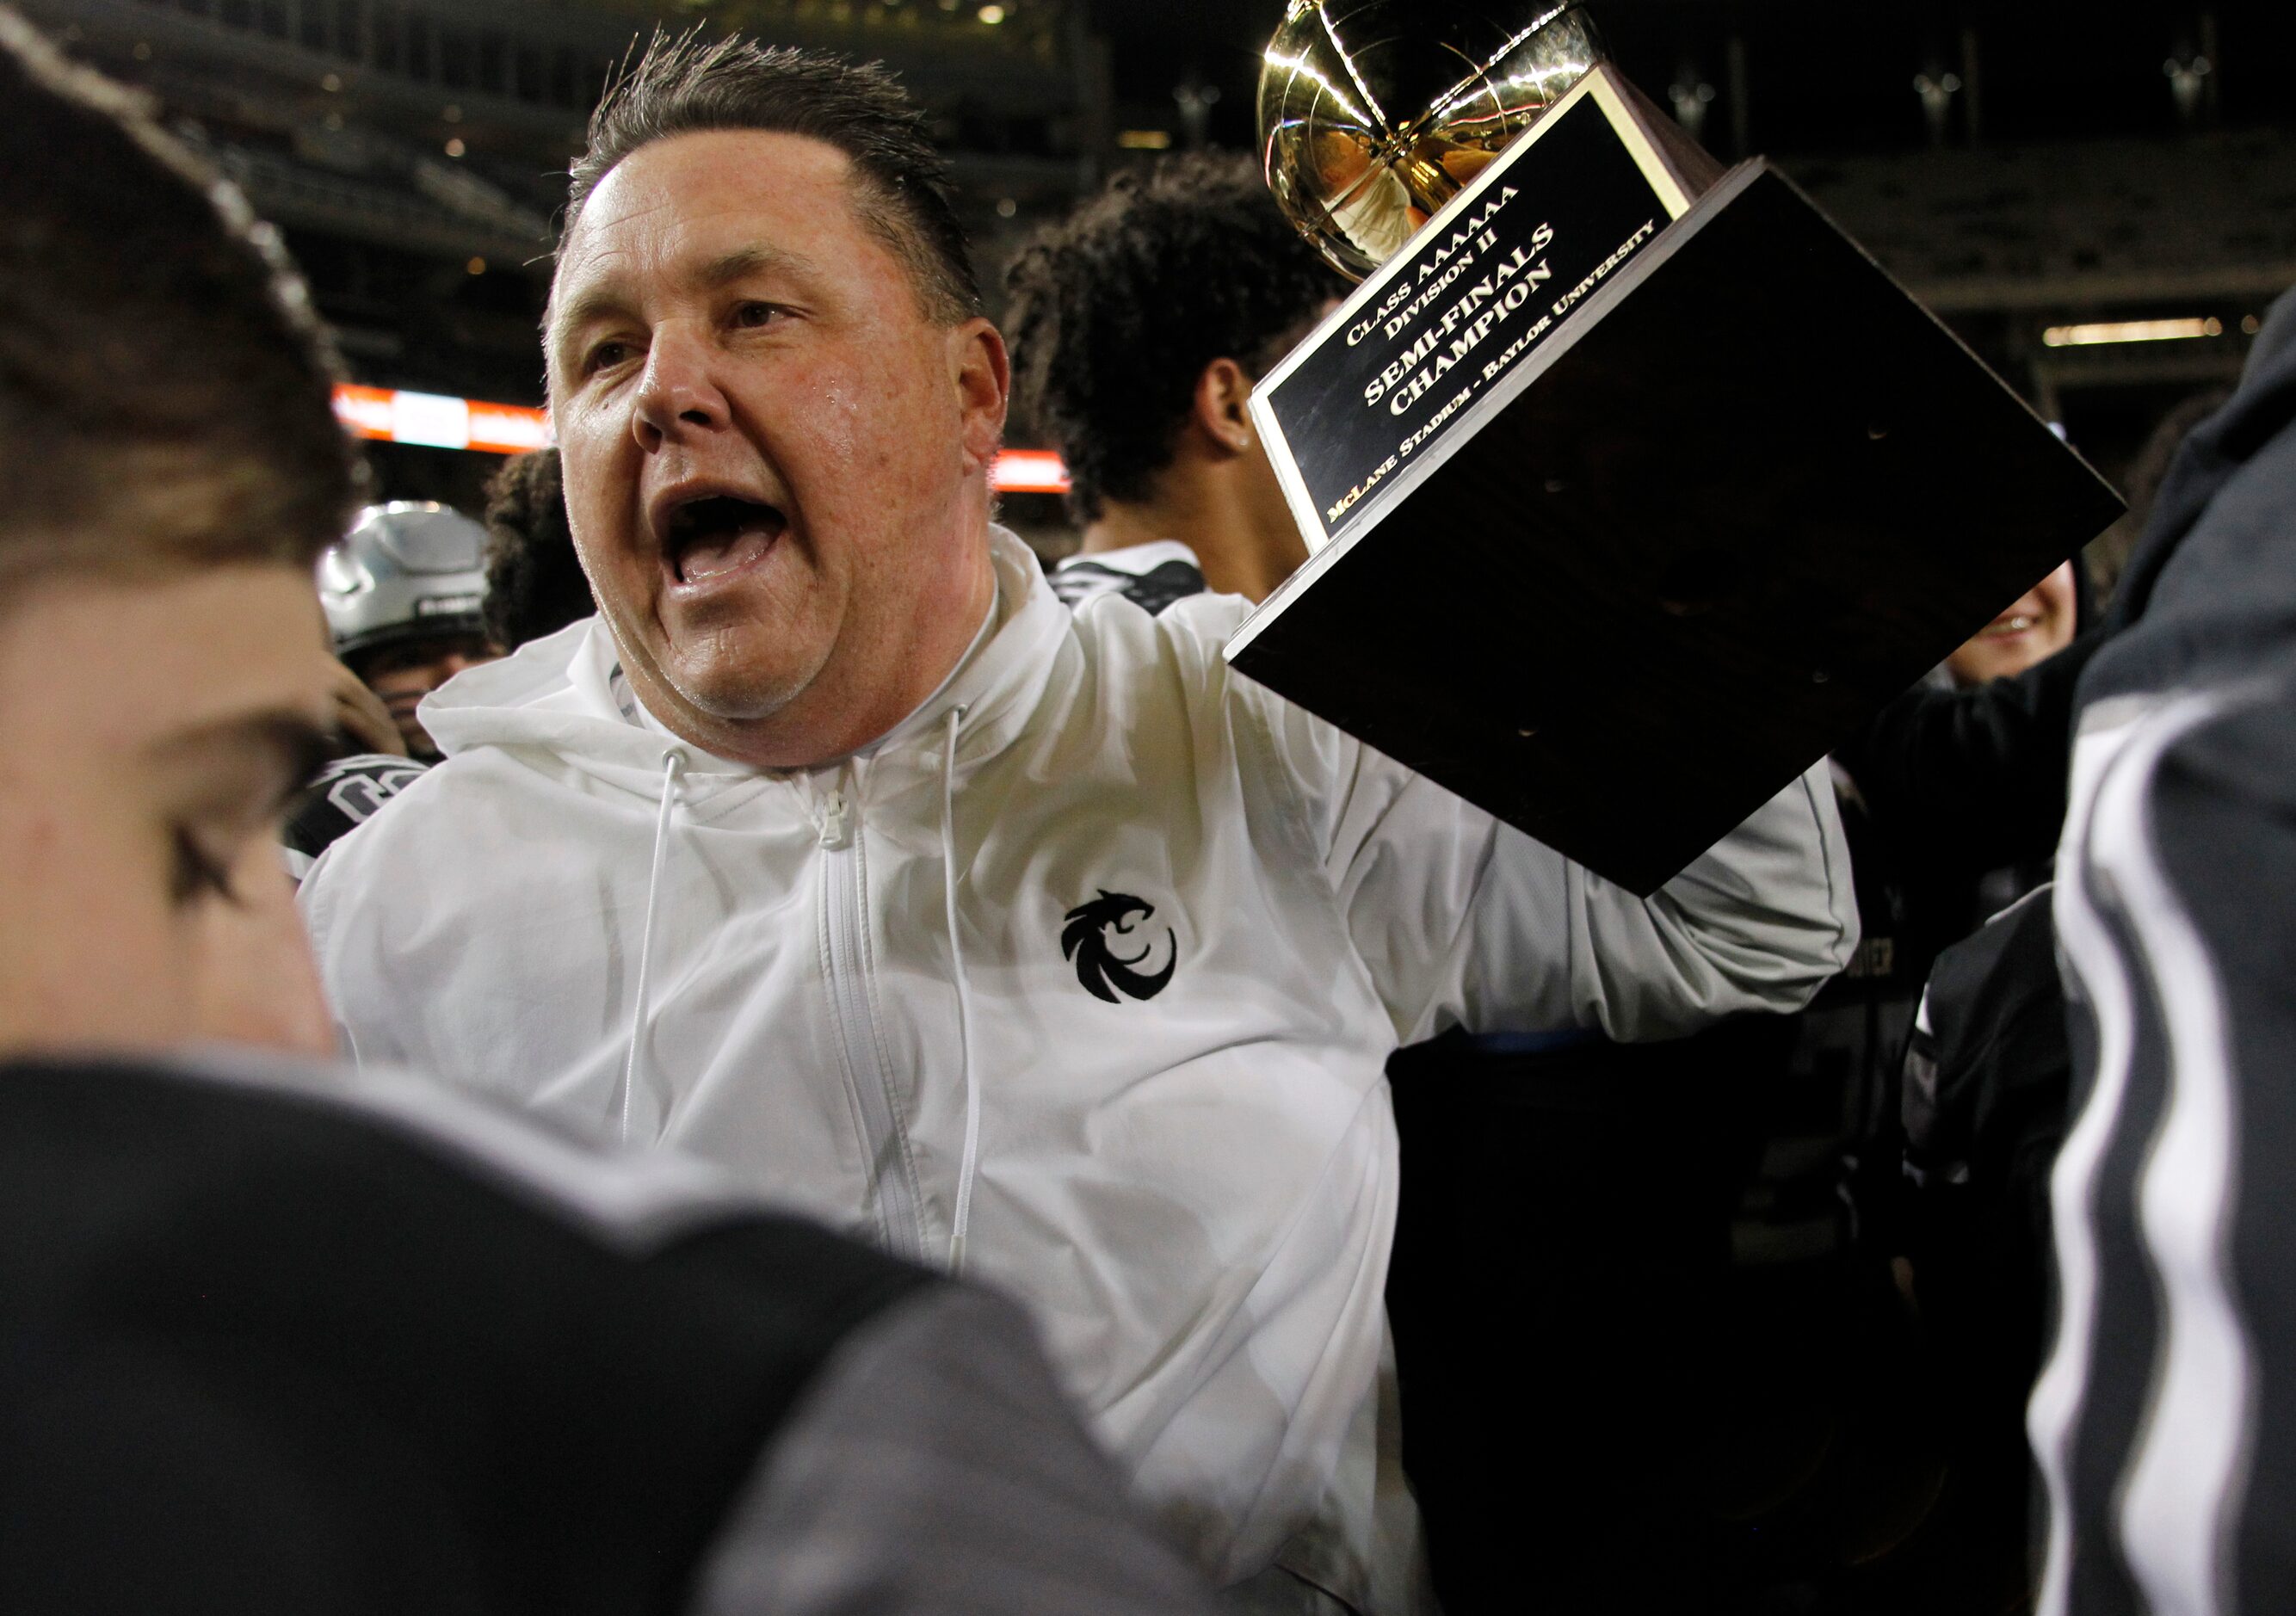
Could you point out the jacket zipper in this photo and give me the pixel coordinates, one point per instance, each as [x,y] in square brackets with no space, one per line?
[843,897]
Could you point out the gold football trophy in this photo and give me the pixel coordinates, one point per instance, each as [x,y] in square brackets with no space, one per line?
[1373,113]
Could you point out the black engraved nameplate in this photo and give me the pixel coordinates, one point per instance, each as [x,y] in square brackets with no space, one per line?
[1497,272]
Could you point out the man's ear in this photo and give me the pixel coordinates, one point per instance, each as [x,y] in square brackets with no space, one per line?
[1223,394]
[982,373]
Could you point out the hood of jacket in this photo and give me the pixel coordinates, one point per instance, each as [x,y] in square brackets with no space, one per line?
[2211,586]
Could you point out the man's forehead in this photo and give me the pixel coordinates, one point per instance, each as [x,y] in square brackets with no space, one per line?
[685,203]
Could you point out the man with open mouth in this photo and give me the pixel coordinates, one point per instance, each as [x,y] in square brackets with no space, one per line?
[774,858]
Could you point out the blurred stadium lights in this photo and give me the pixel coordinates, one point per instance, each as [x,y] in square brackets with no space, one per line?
[1029,471]
[385,415]
[2130,331]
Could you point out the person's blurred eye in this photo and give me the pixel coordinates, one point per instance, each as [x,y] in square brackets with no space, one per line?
[195,874]
[755,316]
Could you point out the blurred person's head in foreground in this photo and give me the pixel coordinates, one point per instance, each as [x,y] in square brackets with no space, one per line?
[173,469]
[1140,326]
[535,583]
[405,594]
[776,399]
[2036,626]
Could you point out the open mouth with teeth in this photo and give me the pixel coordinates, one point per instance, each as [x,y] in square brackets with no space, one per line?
[709,539]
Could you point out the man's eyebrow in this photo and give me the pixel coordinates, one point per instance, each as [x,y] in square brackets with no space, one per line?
[591,303]
[606,299]
[297,746]
[745,261]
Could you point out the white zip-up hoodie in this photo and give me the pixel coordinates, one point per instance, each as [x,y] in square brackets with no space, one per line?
[1183,925]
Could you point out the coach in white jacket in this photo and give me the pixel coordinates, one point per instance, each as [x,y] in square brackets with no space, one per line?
[837,850]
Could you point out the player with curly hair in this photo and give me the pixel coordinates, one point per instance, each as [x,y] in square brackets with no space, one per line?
[535,583]
[1139,326]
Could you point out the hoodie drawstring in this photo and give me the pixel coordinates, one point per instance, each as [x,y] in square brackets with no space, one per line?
[673,766]
[970,1159]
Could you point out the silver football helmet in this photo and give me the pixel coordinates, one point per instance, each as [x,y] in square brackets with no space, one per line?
[407,570]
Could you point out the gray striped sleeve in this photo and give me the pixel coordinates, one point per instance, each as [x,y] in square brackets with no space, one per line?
[2165,1421]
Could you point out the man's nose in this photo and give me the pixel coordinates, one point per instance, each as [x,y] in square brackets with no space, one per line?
[676,395]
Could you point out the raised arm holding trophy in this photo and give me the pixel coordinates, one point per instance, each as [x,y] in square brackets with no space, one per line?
[1609,407]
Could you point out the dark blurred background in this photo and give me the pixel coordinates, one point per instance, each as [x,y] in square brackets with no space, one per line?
[2024,166]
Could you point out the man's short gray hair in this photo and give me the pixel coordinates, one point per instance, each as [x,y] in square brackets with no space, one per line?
[684,85]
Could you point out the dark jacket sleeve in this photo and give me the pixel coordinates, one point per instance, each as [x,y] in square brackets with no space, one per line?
[2165,1423]
[1977,776]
